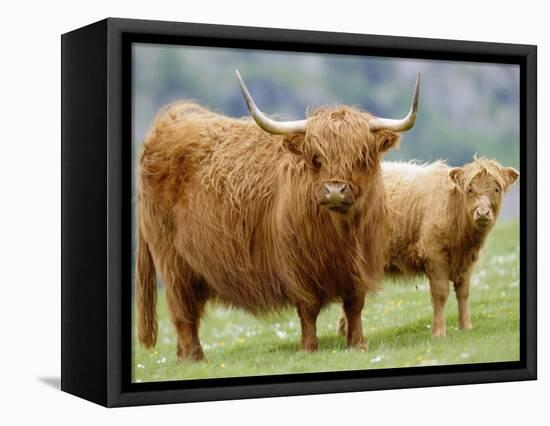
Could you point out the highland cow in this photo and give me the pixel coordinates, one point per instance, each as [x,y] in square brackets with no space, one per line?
[439,220]
[261,215]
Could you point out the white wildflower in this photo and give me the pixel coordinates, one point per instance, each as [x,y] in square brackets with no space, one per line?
[281,334]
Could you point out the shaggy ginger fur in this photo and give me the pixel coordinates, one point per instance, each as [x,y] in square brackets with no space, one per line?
[439,220]
[229,212]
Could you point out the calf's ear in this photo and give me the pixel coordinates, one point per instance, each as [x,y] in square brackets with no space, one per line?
[456,174]
[510,175]
[386,140]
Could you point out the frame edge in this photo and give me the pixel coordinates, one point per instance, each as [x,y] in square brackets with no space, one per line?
[83,220]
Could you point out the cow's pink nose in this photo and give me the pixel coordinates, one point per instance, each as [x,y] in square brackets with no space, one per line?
[336,195]
[335,189]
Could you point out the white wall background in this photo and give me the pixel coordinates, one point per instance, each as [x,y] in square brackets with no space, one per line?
[30,211]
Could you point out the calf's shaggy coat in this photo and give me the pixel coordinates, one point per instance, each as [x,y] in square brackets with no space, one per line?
[229,212]
[439,219]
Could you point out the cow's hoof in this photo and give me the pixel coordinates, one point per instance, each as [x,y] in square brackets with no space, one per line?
[190,358]
[439,333]
[194,355]
[362,347]
[466,327]
[310,347]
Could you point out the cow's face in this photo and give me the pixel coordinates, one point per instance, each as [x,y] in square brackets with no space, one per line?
[340,154]
[482,184]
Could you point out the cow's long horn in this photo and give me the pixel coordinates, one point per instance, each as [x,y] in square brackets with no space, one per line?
[404,124]
[266,123]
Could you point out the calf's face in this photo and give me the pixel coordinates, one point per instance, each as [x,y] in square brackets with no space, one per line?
[482,184]
[483,198]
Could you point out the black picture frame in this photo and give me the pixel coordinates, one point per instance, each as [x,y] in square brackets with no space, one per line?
[96,209]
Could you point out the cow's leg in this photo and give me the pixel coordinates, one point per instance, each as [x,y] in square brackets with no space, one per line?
[186,297]
[462,291]
[189,346]
[439,289]
[353,307]
[342,325]
[308,319]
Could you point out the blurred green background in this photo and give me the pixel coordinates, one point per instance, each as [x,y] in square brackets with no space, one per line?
[465,108]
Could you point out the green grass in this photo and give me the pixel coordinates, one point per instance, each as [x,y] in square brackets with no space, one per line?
[396,325]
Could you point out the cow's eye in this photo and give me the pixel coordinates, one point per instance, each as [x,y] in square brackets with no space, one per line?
[316,162]
[470,191]
[497,190]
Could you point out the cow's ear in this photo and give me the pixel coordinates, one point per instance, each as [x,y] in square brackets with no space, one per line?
[293,143]
[456,174]
[510,175]
[386,140]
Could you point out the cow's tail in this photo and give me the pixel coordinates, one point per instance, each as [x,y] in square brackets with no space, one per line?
[146,294]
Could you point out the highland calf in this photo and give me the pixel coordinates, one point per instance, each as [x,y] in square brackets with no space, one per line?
[261,215]
[439,219]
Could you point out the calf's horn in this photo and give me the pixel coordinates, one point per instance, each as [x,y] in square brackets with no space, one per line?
[266,123]
[404,124]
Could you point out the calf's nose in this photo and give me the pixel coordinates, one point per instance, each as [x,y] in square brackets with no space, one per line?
[483,212]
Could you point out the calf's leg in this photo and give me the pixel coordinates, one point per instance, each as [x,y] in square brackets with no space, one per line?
[308,320]
[462,291]
[439,289]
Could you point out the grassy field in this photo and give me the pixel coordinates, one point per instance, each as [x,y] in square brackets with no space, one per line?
[396,324]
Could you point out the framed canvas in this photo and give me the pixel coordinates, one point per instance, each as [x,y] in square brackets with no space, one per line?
[347,212]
